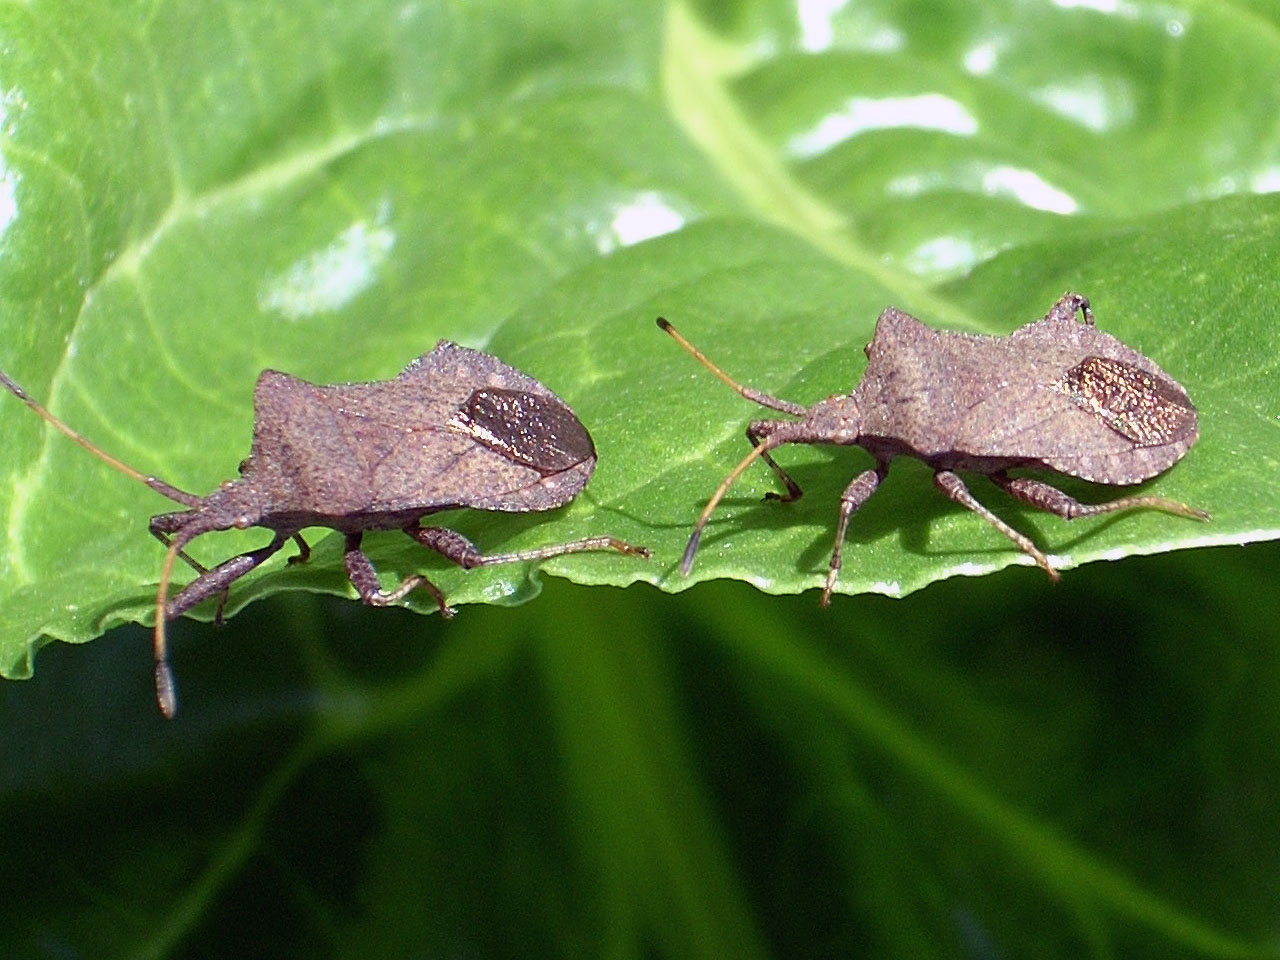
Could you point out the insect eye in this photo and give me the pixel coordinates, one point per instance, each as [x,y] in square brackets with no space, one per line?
[244,465]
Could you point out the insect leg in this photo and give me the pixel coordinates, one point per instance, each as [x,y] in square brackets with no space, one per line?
[854,496]
[365,579]
[166,523]
[219,579]
[954,487]
[451,544]
[756,431]
[1042,496]
[201,588]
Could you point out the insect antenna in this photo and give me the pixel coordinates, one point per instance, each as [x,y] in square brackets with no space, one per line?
[166,690]
[691,549]
[758,396]
[159,486]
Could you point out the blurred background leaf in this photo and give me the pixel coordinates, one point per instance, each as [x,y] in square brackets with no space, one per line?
[991,767]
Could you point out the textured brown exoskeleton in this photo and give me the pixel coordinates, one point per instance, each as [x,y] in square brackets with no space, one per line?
[457,428]
[1057,394]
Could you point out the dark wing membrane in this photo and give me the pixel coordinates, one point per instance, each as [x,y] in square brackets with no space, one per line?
[535,430]
[1146,409]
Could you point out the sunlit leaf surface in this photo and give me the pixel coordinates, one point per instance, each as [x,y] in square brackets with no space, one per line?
[329,191]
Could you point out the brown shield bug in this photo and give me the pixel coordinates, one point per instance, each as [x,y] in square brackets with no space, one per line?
[1057,394]
[457,428]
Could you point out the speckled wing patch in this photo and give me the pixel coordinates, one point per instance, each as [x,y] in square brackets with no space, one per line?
[528,429]
[1133,403]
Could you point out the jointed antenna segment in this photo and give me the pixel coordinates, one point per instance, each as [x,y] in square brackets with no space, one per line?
[159,486]
[757,396]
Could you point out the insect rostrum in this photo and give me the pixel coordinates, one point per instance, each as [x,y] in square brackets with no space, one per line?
[457,428]
[1057,394]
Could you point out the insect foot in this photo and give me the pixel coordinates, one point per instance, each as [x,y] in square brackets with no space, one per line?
[457,429]
[1057,395]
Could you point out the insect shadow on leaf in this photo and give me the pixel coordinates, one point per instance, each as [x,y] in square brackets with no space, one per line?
[1057,394]
[458,428]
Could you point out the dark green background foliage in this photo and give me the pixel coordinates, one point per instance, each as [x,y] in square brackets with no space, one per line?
[989,767]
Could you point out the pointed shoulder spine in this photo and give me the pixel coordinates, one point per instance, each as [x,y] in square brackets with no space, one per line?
[895,327]
[272,382]
[892,320]
[444,354]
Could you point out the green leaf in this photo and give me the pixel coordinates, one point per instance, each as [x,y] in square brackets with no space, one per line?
[192,194]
